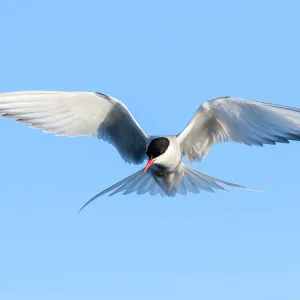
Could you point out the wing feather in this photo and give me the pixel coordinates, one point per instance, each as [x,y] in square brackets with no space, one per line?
[238,120]
[79,114]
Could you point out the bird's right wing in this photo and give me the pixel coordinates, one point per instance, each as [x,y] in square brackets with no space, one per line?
[79,114]
[238,120]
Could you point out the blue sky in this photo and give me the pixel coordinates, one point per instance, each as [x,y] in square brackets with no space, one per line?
[163,59]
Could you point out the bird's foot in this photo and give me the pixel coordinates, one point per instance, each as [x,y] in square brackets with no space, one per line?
[160,175]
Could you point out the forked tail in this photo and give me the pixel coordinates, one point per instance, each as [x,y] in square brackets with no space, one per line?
[182,182]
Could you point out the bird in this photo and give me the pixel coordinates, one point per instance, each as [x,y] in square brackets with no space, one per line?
[99,115]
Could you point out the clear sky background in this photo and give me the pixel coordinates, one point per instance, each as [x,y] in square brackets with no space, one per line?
[163,59]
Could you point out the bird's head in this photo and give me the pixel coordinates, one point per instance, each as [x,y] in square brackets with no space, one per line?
[156,151]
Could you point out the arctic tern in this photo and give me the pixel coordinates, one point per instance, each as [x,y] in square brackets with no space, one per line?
[99,115]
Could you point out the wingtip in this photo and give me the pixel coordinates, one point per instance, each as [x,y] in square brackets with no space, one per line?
[254,190]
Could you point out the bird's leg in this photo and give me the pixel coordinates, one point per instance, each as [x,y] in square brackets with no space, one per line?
[160,175]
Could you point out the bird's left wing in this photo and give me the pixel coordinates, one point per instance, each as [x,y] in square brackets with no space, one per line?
[79,114]
[238,120]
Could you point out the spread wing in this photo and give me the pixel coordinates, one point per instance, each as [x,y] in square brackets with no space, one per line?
[238,120]
[79,114]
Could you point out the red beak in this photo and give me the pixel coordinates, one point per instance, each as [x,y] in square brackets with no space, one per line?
[149,164]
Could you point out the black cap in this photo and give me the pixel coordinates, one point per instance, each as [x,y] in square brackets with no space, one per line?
[157,147]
